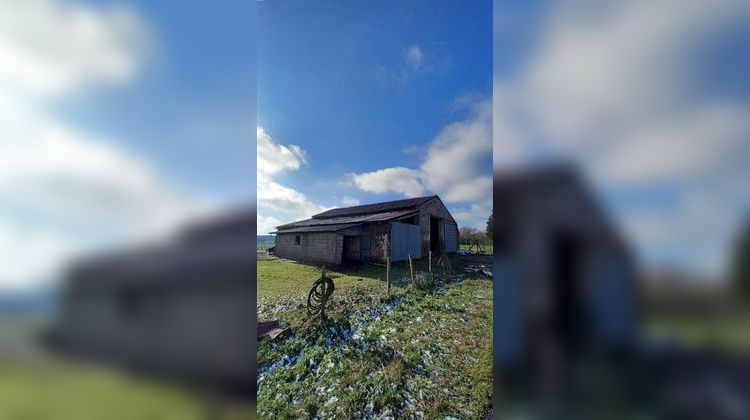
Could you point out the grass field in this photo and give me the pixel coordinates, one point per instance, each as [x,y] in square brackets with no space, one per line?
[421,353]
[487,248]
[263,246]
[60,390]
[35,385]
[728,332]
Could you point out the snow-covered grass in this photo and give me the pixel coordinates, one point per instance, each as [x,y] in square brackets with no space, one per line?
[422,353]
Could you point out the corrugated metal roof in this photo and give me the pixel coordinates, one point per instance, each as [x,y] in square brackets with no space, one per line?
[347,220]
[409,203]
[324,228]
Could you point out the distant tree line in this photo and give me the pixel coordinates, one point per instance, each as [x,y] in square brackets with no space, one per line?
[469,235]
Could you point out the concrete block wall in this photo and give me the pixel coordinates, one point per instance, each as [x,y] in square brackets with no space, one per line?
[323,247]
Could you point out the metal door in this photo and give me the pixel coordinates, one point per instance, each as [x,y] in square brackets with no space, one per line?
[365,254]
[449,236]
[405,241]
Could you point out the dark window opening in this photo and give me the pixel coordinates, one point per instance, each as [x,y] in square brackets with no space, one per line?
[434,235]
[566,261]
[297,239]
[352,248]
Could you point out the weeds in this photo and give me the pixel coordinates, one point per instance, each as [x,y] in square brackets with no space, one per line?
[423,351]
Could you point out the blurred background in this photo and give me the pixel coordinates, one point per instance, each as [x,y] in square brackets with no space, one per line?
[119,123]
[649,101]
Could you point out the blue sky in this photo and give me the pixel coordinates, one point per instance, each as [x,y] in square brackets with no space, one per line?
[191,108]
[370,98]
[119,121]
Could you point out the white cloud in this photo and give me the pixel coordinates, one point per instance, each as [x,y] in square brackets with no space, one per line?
[267,224]
[56,171]
[413,61]
[475,216]
[32,257]
[63,190]
[400,180]
[275,158]
[51,47]
[617,66]
[620,88]
[672,150]
[414,57]
[285,200]
[284,203]
[456,165]
[349,201]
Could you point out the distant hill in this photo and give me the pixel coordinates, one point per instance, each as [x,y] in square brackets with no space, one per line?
[40,301]
[266,239]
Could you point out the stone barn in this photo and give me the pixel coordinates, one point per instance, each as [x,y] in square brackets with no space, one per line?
[184,308]
[565,282]
[371,233]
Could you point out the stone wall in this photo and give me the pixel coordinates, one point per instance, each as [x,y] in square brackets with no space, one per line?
[379,237]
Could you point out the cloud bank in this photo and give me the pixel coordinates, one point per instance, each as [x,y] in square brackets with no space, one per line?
[455,166]
[64,190]
[284,203]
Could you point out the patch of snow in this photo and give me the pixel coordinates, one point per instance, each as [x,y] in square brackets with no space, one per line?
[369,408]
[284,361]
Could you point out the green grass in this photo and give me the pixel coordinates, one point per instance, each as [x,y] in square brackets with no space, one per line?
[487,248]
[412,352]
[729,332]
[63,390]
[35,385]
[263,246]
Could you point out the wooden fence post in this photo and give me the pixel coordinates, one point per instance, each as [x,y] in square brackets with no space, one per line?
[411,270]
[388,273]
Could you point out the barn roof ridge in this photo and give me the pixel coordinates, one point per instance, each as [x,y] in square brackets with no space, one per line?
[371,208]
